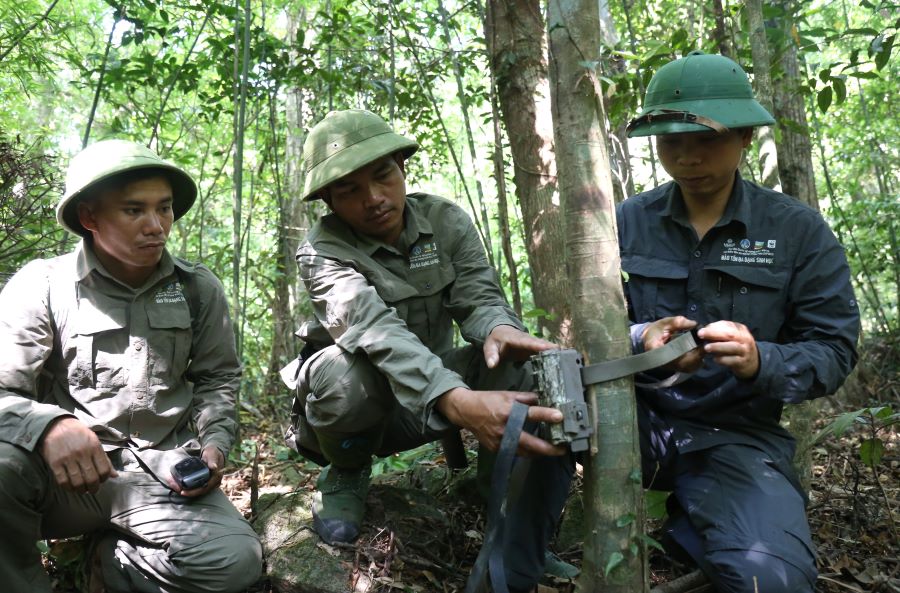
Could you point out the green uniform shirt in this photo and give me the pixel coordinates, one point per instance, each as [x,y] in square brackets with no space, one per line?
[397,304]
[136,365]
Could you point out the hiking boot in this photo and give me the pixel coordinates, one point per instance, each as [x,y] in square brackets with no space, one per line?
[340,503]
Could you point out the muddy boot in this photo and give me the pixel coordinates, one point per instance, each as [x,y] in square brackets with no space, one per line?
[340,503]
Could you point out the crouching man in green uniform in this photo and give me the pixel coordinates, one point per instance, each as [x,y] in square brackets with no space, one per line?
[388,274]
[769,282]
[118,361]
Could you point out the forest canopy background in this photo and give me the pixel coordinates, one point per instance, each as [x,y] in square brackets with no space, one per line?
[229,90]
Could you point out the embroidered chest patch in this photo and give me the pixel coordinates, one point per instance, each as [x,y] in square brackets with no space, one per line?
[424,255]
[748,251]
[170,293]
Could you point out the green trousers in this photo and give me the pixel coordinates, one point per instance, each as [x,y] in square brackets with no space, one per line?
[150,538]
[343,398]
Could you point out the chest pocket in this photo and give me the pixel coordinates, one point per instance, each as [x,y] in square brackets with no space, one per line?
[758,298]
[170,341]
[656,288]
[101,344]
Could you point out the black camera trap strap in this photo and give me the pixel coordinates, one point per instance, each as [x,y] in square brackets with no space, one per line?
[510,471]
[638,363]
[506,482]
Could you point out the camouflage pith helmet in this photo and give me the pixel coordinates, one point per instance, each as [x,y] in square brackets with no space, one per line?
[107,158]
[343,142]
[698,93]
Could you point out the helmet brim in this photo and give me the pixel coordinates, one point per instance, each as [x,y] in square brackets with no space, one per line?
[731,113]
[184,194]
[354,157]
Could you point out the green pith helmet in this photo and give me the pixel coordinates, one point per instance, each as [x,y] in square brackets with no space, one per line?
[107,158]
[343,142]
[698,93]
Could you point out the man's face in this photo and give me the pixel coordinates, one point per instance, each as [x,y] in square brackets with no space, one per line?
[703,163]
[372,198]
[130,225]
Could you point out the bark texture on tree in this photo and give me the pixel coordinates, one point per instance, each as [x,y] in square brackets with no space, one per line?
[795,155]
[287,293]
[614,557]
[517,46]
[762,80]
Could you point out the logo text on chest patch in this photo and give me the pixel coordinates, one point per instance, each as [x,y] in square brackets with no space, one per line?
[749,252]
[424,255]
[170,293]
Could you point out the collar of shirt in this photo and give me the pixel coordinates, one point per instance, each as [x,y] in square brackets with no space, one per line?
[86,262]
[737,209]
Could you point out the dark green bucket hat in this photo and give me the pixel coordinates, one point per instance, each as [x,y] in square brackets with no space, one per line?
[698,93]
[107,158]
[343,142]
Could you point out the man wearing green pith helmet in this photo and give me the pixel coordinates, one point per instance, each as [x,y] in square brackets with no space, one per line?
[768,283]
[117,361]
[388,274]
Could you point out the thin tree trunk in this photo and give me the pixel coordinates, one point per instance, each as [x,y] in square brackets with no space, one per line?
[503,210]
[614,555]
[287,294]
[795,164]
[485,239]
[719,34]
[239,173]
[517,47]
[464,107]
[759,47]
[90,122]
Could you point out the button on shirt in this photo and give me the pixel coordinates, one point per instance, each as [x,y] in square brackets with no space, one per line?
[770,263]
[136,365]
[396,304]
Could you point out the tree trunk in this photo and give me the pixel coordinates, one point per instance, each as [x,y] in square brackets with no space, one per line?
[614,557]
[795,155]
[762,80]
[517,46]
[288,295]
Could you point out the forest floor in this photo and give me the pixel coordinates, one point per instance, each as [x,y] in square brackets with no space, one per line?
[854,515]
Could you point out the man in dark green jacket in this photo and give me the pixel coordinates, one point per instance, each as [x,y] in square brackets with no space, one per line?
[388,274]
[766,278]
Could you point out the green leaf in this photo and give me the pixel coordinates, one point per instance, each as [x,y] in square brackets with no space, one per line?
[655,503]
[615,559]
[635,476]
[536,312]
[882,412]
[652,543]
[42,546]
[840,89]
[840,425]
[625,520]
[871,451]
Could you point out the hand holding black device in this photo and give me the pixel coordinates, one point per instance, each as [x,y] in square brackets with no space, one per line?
[190,473]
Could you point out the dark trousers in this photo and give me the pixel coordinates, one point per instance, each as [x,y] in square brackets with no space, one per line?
[734,509]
